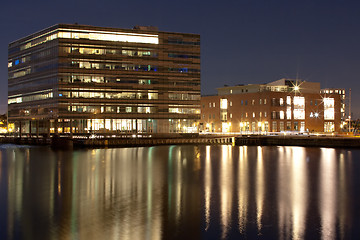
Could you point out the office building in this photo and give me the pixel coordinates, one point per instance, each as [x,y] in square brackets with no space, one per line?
[72,78]
[279,106]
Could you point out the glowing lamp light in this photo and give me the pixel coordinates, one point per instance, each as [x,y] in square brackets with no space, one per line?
[296,88]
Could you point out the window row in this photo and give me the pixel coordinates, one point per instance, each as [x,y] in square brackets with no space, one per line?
[35,56]
[34,97]
[185,56]
[33,69]
[102,79]
[106,51]
[184,96]
[126,109]
[111,109]
[108,95]
[109,66]
[172,40]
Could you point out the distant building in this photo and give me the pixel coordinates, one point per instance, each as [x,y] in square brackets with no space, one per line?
[283,105]
[82,79]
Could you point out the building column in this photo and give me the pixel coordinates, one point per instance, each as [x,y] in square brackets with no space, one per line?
[71,124]
[47,127]
[37,128]
[20,130]
[56,126]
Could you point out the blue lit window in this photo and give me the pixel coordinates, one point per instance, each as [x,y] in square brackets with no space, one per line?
[17,61]
[60,95]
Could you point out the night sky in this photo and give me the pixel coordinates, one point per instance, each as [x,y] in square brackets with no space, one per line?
[242,41]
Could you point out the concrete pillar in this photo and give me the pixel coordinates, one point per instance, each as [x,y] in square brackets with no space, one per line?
[62,126]
[71,124]
[56,124]
[20,130]
[47,127]
[30,128]
[37,128]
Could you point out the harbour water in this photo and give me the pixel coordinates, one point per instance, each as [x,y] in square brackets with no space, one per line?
[180,192]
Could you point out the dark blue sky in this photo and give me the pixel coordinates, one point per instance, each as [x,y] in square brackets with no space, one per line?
[242,41]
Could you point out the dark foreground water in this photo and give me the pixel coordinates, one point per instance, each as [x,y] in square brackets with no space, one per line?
[180,192]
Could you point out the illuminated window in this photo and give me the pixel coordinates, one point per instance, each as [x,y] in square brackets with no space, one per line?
[223,116]
[223,103]
[213,104]
[266,126]
[265,101]
[302,126]
[281,127]
[274,126]
[288,112]
[288,100]
[329,127]
[299,107]
[296,126]
[111,36]
[253,114]
[281,101]
[329,110]
[230,103]
[282,115]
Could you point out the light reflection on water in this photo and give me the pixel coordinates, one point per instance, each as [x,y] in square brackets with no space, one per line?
[179,192]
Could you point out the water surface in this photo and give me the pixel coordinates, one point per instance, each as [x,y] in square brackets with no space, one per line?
[180,192]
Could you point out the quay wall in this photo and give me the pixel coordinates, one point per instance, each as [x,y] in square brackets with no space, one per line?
[66,142]
[304,141]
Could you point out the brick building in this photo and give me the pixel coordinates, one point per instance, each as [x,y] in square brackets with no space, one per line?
[283,105]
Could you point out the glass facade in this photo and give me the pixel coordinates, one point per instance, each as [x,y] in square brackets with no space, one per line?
[84,79]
